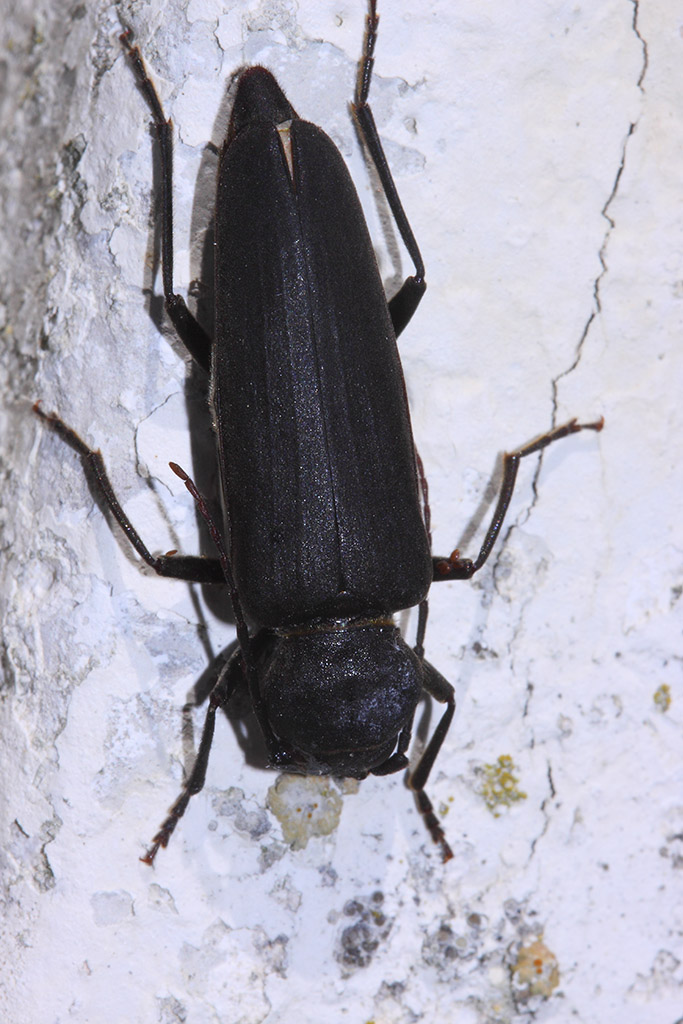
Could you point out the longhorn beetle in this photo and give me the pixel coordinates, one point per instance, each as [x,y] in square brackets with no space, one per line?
[326,513]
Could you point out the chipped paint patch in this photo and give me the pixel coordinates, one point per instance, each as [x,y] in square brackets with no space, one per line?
[305,806]
[535,972]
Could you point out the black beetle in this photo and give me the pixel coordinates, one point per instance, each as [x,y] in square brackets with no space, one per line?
[325,501]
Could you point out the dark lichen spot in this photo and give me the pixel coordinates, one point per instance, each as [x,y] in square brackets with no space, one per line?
[359,941]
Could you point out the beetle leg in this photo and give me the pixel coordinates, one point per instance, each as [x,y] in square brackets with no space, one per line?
[456,568]
[220,695]
[191,568]
[191,333]
[405,302]
[437,687]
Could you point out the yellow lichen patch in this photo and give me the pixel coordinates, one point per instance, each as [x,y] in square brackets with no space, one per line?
[536,972]
[499,785]
[444,808]
[305,806]
[662,697]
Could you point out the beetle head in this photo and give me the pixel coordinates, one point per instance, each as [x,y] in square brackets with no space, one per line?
[339,699]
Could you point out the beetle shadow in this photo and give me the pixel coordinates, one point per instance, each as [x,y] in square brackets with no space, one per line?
[205,471]
[238,710]
[480,517]
[197,387]
[387,225]
[421,731]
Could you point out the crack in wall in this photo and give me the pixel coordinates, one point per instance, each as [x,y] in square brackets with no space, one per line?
[525,515]
[544,811]
[611,224]
[597,305]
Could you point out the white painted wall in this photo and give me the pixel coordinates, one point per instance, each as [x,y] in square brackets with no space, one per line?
[537,151]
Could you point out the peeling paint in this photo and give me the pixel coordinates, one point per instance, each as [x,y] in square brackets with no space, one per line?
[535,972]
[305,806]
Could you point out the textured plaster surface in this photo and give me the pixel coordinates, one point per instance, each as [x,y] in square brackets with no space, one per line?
[537,150]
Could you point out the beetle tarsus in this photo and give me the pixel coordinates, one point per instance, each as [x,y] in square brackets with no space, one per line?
[426,809]
[167,829]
